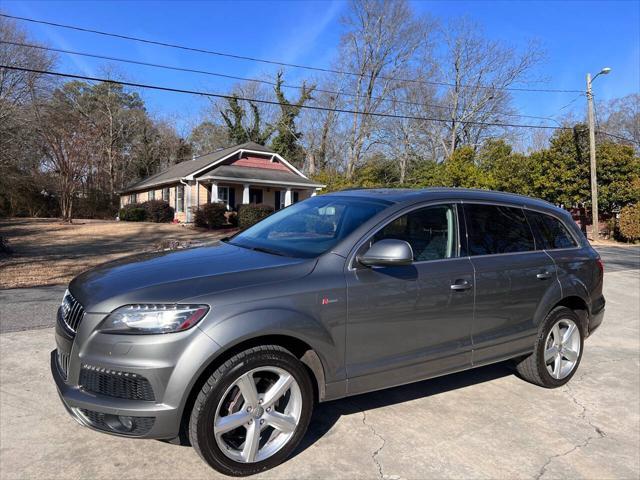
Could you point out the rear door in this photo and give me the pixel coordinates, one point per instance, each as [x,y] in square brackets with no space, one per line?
[511,280]
[406,322]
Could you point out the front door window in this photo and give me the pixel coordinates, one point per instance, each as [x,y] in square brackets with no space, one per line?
[223,195]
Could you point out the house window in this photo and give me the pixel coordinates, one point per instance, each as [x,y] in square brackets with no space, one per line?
[152,194]
[180,198]
[223,195]
[165,194]
[133,198]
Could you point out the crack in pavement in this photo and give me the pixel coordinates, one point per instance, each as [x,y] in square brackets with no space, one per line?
[374,455]
[583,416]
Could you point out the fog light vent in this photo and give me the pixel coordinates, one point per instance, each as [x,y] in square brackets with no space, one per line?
[124,425]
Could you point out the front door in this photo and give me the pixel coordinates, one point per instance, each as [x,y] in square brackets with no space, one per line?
[511,279]
[406,323]
[255,195]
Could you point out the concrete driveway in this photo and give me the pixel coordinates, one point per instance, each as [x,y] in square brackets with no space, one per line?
[485,423]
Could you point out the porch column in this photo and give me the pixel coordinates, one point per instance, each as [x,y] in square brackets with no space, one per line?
[214,192]
[314,193]
[187,189]
[287,197]
[197,195]
[245,193]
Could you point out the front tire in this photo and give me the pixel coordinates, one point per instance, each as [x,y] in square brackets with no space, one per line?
[252,412]
[557,352]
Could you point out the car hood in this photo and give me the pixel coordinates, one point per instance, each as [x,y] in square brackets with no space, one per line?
[168,277]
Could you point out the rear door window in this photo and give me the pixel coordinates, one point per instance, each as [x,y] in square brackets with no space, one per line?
[493,229]
[430,231]
[550,232]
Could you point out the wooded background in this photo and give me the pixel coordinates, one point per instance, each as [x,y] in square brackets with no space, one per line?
[409,101]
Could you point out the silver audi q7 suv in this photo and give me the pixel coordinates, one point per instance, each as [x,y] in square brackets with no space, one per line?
[231,345]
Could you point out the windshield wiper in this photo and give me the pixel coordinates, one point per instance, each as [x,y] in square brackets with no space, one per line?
[268,250]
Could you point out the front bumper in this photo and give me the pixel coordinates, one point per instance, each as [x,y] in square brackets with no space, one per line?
[166,418]
[171,363]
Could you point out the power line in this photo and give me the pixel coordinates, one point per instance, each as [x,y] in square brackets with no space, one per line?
[279,63]
[619,137]
[272,102]
[246,79]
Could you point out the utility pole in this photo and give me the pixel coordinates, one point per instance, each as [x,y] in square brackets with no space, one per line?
[592,155]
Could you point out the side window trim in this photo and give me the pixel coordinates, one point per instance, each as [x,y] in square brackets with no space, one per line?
[520,207]
[577,242]
[412,208]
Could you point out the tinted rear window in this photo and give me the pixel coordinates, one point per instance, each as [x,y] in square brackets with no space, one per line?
[495,229]
[550,232]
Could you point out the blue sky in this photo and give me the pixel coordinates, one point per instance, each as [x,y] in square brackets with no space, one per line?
[578,36]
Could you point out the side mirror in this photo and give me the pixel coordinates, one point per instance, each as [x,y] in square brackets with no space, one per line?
[388,252]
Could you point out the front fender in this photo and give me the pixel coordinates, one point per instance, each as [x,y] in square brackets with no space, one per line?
[249,325]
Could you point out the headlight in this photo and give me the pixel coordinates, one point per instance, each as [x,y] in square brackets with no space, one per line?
[153,318]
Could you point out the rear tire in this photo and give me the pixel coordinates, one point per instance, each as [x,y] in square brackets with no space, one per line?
[557,352]
[263,394]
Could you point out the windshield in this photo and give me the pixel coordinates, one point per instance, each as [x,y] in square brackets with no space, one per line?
[309,228]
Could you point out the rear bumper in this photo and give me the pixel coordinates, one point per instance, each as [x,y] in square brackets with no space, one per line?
[597,315]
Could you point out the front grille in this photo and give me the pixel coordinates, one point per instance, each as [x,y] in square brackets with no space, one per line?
[113,423]
[63,362]
[71,312]
[114,383]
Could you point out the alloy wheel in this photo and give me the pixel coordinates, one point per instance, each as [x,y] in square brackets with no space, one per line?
[258,414]
[562,348]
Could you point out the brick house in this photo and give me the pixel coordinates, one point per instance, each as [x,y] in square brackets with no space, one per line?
[246,173]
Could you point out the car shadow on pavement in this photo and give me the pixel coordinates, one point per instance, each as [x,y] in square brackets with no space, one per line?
[327,414]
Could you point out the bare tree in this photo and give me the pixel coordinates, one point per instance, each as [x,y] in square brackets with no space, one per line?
[382,39]
[621,117]
[69,144]
[479,70]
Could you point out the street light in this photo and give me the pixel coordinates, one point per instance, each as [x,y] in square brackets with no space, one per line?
[592,154]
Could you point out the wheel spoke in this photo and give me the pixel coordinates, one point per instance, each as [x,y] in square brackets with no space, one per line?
[570,355]
[569,333]
[278,389]
[247,386]
[557,366]
[231,422]
[557,338]
[550,353]
[284,423]
[251,443]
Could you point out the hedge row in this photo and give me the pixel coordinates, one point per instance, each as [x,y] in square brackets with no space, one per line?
[629,223]
[211,215]
[157,211]
[250,213]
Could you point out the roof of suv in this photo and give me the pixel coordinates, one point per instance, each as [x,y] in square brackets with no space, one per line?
[399,195]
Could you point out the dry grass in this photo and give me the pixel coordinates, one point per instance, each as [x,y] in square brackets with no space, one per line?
[48,252]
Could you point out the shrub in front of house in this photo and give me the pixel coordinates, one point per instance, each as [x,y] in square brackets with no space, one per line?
[134,212]
[210,215]
[250,213]
[158,211]
[629,224]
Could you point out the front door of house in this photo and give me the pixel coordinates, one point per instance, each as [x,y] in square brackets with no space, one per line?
[255,195]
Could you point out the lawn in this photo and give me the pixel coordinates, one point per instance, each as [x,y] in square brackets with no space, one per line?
[48,252]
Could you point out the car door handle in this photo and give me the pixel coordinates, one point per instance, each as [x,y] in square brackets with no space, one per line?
[543,275]
[459,286]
